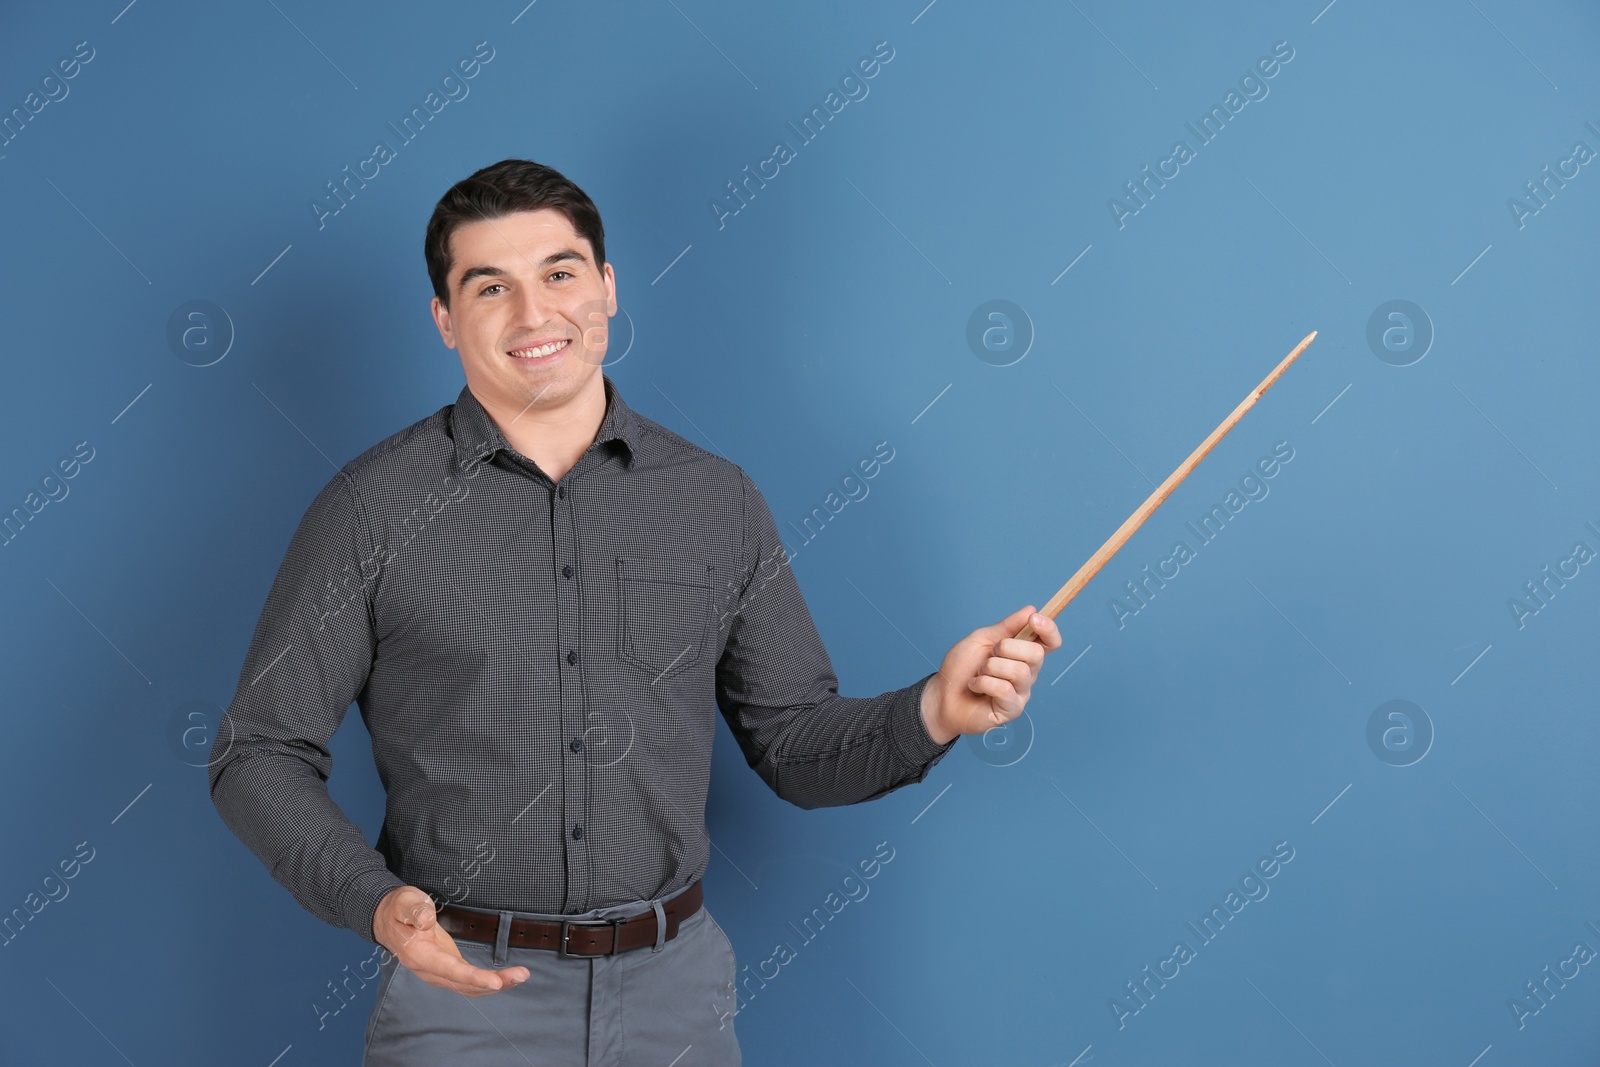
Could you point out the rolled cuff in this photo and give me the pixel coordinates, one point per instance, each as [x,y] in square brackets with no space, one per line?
[909,735]
[358,904]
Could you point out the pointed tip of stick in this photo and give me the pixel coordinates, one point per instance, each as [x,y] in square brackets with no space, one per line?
[1283,366]
[1305,342]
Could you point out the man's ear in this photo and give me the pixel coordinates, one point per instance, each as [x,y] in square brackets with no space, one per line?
[441,319]
[611,290]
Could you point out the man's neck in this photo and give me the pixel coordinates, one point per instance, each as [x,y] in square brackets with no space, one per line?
[556,438]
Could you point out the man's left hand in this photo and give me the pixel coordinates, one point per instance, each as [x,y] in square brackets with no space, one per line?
[985,679]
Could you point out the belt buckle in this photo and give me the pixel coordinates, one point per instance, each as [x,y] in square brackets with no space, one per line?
[566,931]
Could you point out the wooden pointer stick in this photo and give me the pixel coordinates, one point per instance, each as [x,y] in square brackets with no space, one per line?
[1076,583]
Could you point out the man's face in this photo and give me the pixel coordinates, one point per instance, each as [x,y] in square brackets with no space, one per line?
[529,309]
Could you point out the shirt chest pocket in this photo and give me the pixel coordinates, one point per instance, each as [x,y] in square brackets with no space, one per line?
[664,612]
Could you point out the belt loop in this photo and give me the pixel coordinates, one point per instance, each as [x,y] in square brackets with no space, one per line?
[502,939]
[661,925]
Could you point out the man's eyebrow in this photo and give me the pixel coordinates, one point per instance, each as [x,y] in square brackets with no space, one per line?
[562,256]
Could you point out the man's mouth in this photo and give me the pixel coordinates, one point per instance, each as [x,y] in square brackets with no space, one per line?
[534,353]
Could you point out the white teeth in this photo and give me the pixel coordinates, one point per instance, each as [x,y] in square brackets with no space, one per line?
[542,350]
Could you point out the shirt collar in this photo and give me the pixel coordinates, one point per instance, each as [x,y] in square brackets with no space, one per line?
[478,437]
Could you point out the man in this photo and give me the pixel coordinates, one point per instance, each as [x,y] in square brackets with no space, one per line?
[536,595]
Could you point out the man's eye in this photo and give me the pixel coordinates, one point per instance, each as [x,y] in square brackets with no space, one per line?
[560,273]
[485,290]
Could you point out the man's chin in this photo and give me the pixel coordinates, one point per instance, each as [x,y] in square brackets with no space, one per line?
[529,386]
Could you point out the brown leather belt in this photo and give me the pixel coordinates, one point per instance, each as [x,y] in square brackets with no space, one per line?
[581,937]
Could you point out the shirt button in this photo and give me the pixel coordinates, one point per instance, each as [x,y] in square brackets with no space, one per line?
[572,657]
[566,572]
[577,744]
[577,832]
[561,492]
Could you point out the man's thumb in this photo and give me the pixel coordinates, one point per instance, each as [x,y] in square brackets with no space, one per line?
[1012,624]
[421,911]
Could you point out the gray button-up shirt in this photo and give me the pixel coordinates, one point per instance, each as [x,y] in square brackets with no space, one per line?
[538,665]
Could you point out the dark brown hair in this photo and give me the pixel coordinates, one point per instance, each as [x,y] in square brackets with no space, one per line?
[497,190]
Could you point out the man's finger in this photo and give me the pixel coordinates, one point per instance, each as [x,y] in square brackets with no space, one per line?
[999,690]
[448,968]
[1019,674]
[1029,652]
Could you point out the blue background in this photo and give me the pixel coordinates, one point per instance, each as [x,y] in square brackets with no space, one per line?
[1040,868]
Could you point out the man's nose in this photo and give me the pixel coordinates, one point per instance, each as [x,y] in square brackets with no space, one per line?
[534,308]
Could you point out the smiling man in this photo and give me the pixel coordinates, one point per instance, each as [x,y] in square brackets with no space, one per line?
[540,599]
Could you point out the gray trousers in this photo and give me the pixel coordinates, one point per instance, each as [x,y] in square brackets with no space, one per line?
[667,1005]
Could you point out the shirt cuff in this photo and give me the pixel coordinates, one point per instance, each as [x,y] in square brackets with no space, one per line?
[909,734]
[358,904]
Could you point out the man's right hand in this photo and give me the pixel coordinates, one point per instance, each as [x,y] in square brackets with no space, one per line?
[407,925]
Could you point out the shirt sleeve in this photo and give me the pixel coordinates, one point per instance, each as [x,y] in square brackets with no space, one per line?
[310,656]
[778,692]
